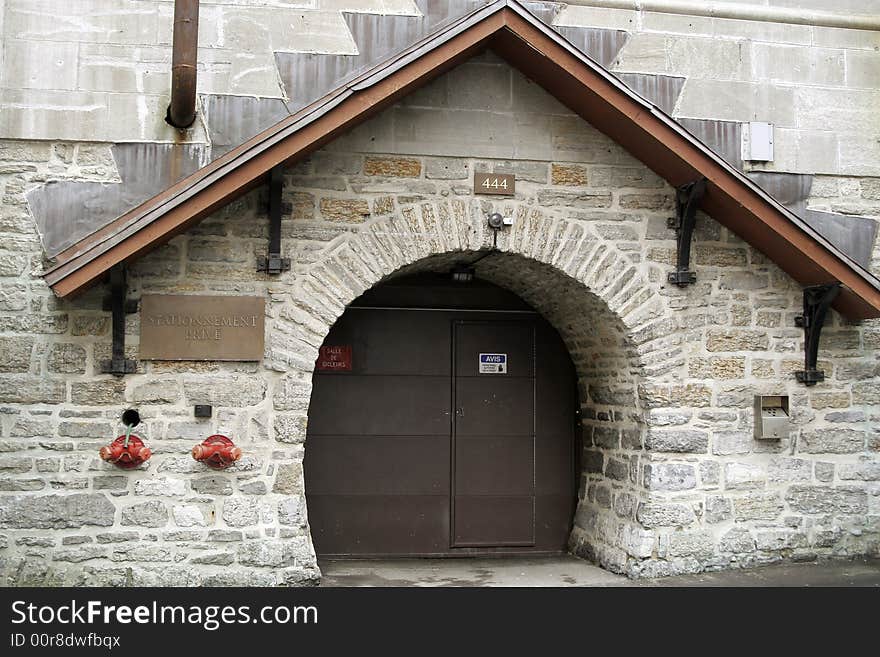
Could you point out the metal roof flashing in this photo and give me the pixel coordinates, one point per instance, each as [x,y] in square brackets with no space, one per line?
[526,42]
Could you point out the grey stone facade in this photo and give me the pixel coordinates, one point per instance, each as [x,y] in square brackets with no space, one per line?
[672,479]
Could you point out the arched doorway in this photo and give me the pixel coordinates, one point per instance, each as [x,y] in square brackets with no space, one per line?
[610,318]
[443,422]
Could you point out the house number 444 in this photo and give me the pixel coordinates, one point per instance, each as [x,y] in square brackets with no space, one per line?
[495,183]
[491,183]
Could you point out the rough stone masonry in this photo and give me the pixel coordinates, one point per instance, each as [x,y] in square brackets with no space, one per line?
[673,480]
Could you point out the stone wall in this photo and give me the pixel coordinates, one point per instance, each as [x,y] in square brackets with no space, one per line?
[111,68]
[109,82]
[673,481]
[815,84]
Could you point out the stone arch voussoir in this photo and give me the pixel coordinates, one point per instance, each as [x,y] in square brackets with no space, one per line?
[361,259]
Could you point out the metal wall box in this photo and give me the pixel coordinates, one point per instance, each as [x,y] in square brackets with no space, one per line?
[771,417]
[757,142]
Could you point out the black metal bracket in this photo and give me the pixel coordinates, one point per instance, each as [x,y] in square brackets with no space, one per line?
[687,202]
[817,301]
[274,263]
[119,306]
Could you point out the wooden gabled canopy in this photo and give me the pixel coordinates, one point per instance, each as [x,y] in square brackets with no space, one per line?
[547,58]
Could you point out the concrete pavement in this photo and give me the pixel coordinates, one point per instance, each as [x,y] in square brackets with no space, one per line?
[566,570]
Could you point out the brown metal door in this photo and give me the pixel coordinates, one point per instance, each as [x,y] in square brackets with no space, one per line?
[494,435]
[391,470]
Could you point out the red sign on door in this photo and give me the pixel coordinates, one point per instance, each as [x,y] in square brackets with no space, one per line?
[334,359]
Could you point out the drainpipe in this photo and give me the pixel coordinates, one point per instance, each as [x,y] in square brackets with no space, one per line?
[182,110]
[742,11]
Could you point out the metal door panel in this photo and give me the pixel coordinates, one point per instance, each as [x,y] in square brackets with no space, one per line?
[379,524]
[379,465]
[395,342]
[556,393]
[493,435]
[554,515]
[491,521]
[554,467]
[380,405]
[555,398]
[494,405]
[492,465]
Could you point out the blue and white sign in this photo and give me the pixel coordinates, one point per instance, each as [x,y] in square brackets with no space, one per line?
[493,363]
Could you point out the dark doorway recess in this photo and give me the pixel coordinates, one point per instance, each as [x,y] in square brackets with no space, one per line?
[442,423]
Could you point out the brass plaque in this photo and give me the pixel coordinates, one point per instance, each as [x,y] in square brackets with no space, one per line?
[494,183]
[184,327]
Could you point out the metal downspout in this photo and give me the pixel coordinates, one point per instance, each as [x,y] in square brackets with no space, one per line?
[742,11]
[182,109]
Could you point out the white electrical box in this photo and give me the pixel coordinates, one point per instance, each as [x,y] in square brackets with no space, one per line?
[757,142]
[771,417]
